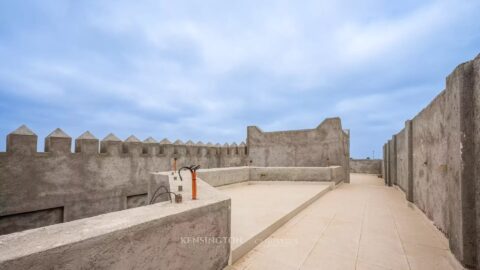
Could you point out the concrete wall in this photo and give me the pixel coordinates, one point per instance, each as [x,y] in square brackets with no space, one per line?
[371,166]
[38,189]
[228,176]
[475,81]
[435,161]
[324,146]
[58,185]
[401,165]
[190,235]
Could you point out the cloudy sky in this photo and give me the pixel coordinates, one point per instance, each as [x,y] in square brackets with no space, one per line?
[204,70]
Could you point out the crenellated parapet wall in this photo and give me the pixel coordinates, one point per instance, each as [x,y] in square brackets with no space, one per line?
[100,176]
[58,185]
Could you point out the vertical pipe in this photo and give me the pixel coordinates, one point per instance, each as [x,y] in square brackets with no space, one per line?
[194,185]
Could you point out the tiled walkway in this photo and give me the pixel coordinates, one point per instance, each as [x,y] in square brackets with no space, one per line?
[264,204]
[362,225]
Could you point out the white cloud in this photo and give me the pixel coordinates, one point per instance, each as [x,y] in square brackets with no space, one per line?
[212,66]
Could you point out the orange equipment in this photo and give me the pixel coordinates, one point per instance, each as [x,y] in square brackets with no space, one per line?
[193,170]
[194,185]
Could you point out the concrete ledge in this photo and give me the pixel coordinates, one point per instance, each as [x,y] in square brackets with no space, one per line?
[158,236]
[224,176]
[316,174]
[228,176]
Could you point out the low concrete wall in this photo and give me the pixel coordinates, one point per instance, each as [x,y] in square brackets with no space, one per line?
[224,176]
[227,176]
[327,174]
[190,235]
[435,160]
[371,166]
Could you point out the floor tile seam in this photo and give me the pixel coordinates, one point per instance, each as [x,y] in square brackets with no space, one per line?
[316,241]
[401,240]
[361,232]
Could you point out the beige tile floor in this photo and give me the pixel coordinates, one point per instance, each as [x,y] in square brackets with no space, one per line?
[361,225]
[264,204]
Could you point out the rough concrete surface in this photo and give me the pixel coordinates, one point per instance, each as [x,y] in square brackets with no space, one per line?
[112,175]
[159,236]
[88,182]
[402,160]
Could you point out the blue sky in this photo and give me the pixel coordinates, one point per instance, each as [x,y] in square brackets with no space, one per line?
[204,70]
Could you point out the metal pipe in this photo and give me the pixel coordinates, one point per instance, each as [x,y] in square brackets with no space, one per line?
[194,185]
[193,170]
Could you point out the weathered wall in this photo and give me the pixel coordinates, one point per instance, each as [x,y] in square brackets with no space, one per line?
[401,165]
[371,166]
[475,77]
[38,189]
[323,146]
[190,235]
[436,158]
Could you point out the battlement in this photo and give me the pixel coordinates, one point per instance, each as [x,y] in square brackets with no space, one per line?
[23,141]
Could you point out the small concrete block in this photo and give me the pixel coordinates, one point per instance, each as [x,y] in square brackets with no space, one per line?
[86,143]
[150,146]
[22,141]
[111,144]
[178,142]
[58,142]
[165,141]
[132,145]
[149,140]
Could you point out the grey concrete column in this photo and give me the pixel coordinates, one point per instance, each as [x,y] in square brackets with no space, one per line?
[394,160]
[390,152]
[384,163]
[409,163]
[476,95]
[463,79]
[463,241]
